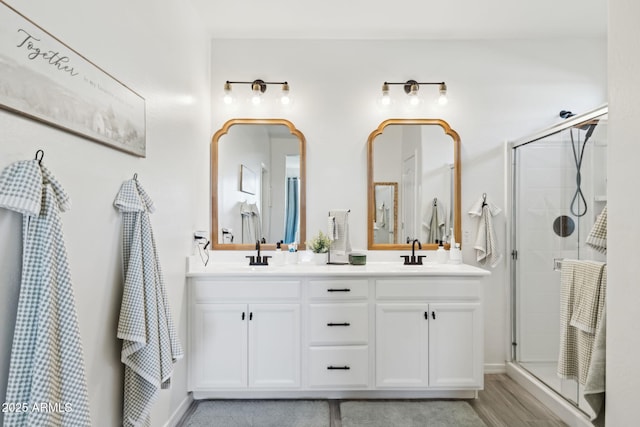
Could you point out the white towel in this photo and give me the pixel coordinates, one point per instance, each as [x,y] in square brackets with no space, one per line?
[332,228]
[150,344]
[251,223]
[47,363]
[341,245]
[486,244]
[435,223]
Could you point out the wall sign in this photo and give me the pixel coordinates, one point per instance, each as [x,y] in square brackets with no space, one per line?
[44,79]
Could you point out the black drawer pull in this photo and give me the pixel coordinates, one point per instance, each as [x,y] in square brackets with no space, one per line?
[339,290]
[339,324]
[344,368]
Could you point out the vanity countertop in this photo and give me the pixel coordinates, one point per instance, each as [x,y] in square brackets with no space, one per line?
[195,268]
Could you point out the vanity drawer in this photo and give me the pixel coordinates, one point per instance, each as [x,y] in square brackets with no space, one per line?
[244,290]
[338,323]
[339,289]
[429,288]
[339,366]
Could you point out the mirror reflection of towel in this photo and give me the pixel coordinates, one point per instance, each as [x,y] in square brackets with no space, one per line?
[251,228]
[436,225]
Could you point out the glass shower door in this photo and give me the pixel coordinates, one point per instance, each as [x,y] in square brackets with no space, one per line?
[559,188]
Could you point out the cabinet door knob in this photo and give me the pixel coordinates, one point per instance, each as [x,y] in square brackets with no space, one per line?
[243,315]
[433,314]
[251,315]
[339,324]
[426,315]
[344,368]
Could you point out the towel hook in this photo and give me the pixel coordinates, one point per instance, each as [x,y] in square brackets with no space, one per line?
[484,199]
[435,201]
[41,153]
[135,176]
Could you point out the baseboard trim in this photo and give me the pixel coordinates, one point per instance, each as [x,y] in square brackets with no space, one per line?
[182,408]
[495,368]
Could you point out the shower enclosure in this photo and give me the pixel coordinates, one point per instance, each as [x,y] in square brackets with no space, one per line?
[558,188]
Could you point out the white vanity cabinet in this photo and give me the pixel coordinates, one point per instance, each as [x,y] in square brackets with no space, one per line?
[244,335]
[336,332]
[429,333]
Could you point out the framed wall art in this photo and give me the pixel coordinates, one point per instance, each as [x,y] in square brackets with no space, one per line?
[44,79]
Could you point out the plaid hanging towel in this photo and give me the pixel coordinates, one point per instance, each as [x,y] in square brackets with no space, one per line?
[46,372]
[150,344]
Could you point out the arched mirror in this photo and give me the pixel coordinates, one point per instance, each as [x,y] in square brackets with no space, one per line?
[417,161]
[258,184]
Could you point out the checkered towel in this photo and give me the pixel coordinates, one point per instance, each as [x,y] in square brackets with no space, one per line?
[597,237]
[46,371]
[582,299]
[150,345]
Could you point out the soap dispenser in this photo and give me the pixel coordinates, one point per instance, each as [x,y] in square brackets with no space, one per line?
[441,254]
[455,254]
[278,258]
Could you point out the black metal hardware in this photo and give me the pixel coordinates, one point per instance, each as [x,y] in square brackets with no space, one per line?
[413,259]
[243,315]
[251,316]
[514,254]
[426,315]
[339,290]
[41,154]
[339,324]
[344,368]
[433,314]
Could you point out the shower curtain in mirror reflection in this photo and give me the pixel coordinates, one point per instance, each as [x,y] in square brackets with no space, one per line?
[47,362]
[291,220]
[150,344]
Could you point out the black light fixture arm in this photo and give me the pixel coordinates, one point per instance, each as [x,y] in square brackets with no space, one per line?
[258,82]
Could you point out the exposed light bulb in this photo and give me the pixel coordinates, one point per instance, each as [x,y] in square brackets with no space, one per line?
[228,95]
[442,99]
[413,95]
[385,99]
[284,98]
[256,98]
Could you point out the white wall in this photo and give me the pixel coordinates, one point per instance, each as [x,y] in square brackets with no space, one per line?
[623,290]
[162,53]
[498,90]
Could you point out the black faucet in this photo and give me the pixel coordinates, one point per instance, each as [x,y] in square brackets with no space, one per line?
[258,260]
[413,260]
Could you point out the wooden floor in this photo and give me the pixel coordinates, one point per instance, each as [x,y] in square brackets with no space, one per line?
[502,403]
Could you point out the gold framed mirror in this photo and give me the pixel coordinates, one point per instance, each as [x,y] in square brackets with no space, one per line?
[258,184]
[423,157]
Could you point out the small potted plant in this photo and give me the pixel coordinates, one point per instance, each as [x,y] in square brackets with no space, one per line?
[319,245]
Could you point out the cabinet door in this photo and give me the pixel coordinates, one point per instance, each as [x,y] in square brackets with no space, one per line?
[455,345]
[274,345]
[219,346]
[402,334]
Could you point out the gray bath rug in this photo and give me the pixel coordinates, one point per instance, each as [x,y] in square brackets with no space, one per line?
[260,413]
[436,413]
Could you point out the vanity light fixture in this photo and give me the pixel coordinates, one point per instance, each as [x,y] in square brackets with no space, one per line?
[411,88]
[258,88]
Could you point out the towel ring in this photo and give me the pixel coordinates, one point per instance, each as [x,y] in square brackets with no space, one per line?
[41,153]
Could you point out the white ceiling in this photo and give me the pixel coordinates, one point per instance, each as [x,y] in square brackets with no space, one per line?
[403,19]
